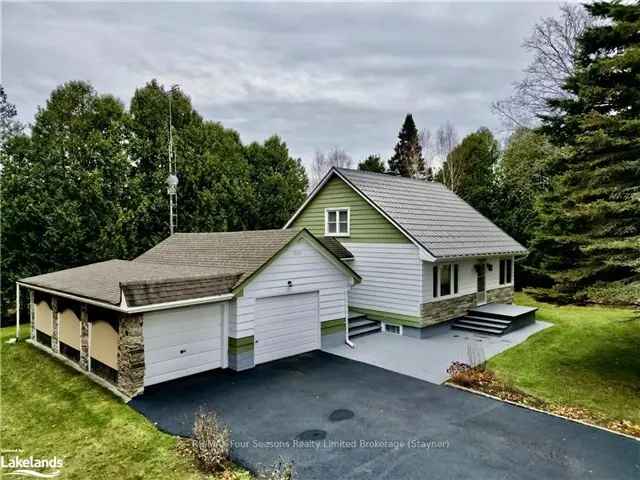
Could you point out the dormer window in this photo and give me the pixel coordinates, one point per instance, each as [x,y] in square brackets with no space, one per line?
[337,222]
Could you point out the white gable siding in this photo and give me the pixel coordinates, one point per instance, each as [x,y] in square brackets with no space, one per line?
[391,277]
[308,270]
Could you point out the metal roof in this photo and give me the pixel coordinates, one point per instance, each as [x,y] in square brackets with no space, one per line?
[429,213]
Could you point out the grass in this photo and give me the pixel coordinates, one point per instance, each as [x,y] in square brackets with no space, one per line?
[589,359]
[47,409]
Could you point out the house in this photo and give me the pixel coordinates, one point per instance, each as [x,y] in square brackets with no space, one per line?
[194,302]
[425,256]
[364,252]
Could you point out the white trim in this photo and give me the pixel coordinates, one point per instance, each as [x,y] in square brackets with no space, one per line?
[337,233]
[225,335]
[400,331]
[17,311]
[506,284]
[89,328]
[181,303]
[126,309]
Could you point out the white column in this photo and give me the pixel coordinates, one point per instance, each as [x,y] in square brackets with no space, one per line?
[17,311]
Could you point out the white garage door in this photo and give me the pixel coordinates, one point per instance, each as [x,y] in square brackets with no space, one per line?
[286,325]
[182,341]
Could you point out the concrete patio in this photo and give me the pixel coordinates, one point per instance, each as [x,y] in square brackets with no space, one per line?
[429,358]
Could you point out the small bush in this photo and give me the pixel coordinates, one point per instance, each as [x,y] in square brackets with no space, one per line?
[211,442]
[281,470]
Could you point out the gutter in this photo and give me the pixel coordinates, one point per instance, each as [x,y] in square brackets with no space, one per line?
[124,308]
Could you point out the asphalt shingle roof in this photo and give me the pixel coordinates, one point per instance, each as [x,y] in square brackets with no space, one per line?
[103,281]
[335,247]
[233,251]
[437,218]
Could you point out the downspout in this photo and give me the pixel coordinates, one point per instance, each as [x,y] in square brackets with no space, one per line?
[346,319]
[17,311]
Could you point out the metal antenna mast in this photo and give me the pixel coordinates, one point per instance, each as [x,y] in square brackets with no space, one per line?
[172,179]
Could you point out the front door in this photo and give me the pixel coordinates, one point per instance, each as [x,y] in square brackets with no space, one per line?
[481,295]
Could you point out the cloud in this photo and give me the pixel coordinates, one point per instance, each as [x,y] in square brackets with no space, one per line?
[319,75]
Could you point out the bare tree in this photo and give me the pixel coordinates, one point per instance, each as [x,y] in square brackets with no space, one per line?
[428,152]
[451,170]
[322,163]
[553,43]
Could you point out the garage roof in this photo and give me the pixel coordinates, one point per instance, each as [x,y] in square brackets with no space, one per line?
[143,283]
[184,266]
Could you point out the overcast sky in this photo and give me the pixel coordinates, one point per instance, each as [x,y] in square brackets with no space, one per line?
[318,75]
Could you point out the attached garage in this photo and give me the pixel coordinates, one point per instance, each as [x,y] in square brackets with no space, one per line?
[286,325]
[194,303]
[183,341]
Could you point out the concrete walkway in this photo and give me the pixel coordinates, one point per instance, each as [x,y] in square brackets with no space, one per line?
[429,358]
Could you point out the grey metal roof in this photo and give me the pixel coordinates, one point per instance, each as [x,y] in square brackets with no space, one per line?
[434,216]
[103,281]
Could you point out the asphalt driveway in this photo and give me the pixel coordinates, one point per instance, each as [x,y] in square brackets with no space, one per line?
[400,428]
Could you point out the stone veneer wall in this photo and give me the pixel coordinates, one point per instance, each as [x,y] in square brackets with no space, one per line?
[84,336]
[55,325]
[436,312]
[500,295]
[130,355]
[32,315]
[442,310]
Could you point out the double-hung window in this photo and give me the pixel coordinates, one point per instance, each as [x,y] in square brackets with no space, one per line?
[505,271]
[446,279]
[336,222]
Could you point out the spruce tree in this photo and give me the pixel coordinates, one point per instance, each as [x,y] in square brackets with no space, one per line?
[589,242]
[407,160]
[373,163]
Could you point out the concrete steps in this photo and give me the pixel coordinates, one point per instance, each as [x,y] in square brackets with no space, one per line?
[360,325]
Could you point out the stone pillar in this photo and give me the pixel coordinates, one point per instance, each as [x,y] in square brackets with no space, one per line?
[55,343]
[32,315]
[130,355]
[84,336]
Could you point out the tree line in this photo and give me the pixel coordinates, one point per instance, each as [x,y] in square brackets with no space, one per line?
[87,182]
[567,182]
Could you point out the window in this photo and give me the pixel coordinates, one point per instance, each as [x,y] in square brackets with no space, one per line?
[446,279]
[435,282]
[336,222]
[505,271]
[391,328]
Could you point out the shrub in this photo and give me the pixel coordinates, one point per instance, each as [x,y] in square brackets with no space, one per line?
[211,441]
[281,470]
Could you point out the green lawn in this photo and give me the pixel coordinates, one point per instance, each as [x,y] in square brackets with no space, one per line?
[47,409]
[589,359]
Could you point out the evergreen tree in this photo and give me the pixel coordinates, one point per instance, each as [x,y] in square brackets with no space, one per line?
[407,160]
[373,163]
[589,243]
[469,169]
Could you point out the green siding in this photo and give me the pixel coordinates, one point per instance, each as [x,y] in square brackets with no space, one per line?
[239,345]
[389,317]
[367,225]
[332,326]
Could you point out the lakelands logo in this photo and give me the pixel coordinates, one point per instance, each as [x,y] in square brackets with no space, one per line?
[29,466]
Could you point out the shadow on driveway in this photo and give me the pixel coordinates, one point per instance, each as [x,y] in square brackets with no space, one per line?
[300,408]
